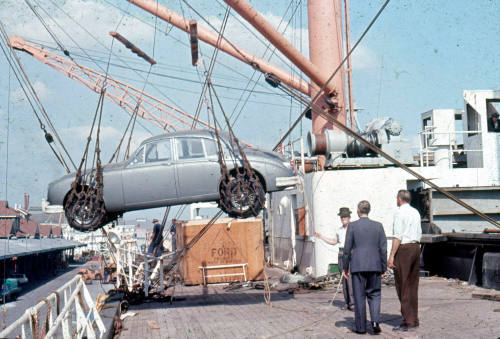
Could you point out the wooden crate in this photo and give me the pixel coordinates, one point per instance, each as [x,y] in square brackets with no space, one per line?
[227,242]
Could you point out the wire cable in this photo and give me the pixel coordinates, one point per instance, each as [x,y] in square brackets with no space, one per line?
[115,55]
[322,89]
[208,73]
[31,95]
[7,143]
[272,54]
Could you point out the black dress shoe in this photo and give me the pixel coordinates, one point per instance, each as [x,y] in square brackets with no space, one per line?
[376,327]
[359,332]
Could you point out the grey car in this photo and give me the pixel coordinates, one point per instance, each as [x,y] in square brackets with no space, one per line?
[172,169]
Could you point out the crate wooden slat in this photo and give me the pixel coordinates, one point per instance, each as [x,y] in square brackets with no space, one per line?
[227,242]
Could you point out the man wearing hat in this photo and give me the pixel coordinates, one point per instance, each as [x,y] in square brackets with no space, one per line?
[345,218]
[493,123]
[156,240]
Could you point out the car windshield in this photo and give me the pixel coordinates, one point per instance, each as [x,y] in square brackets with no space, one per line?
[139,157]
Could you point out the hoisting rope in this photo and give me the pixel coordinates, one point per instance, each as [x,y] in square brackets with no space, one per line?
[116,153]
[242,188]
[208,73]
[241,192]
[127,150]
[133,117]
[85,204]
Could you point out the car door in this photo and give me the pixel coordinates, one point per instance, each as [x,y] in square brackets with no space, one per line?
[197,168]
[149,179]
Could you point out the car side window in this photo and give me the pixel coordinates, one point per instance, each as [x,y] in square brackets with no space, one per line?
[139,157]
[190,148]
[210,147]
[159,151]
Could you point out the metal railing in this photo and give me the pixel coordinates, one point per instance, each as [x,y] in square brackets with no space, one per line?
[77,318]
[135,268]
[427,150]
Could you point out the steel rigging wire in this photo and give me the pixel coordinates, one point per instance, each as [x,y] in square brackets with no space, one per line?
[322,89]
[66,52]
[250,80]
[182,43]
[208,73]
[115,55]
[163,75]
[134,115]
[263,55]
[7,141]
[59,43]
[124,62]
[250,62]
[31,96]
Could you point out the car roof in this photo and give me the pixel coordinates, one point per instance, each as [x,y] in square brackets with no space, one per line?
[185,133]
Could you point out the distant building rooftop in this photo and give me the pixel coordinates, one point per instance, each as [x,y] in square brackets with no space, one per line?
[5,210]
[10,248]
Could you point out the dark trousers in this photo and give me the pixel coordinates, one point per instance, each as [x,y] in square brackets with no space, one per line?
[346,284]
[366,285]
[406,274]
[174,243]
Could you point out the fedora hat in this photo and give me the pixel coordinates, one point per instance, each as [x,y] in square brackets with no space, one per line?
[344,212]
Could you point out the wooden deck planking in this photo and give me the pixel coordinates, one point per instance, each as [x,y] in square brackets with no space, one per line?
[446,310]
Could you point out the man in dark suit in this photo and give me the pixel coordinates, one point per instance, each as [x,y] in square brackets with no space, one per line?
[365,258]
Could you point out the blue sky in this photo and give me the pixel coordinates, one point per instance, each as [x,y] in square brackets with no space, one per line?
[419,55]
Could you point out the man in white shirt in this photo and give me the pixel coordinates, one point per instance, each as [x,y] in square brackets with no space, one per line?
[345,218]
[405,259]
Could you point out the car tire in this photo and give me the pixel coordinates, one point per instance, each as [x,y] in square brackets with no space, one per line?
[81,218]
[254,203]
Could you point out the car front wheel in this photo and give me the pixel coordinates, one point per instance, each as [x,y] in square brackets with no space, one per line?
[85,214]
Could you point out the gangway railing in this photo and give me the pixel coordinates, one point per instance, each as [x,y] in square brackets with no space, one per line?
[69,312]
[427,150]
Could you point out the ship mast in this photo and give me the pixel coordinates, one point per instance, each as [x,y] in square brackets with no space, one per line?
[325,52]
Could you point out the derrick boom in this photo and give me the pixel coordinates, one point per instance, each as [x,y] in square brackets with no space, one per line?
[154,110]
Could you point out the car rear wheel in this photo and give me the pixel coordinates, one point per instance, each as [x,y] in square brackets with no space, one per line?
[242,196]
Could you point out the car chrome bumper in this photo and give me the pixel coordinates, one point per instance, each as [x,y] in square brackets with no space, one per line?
[284,182]
[48,208]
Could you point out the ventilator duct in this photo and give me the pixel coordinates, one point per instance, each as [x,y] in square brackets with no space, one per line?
[334,141]
[341,149]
